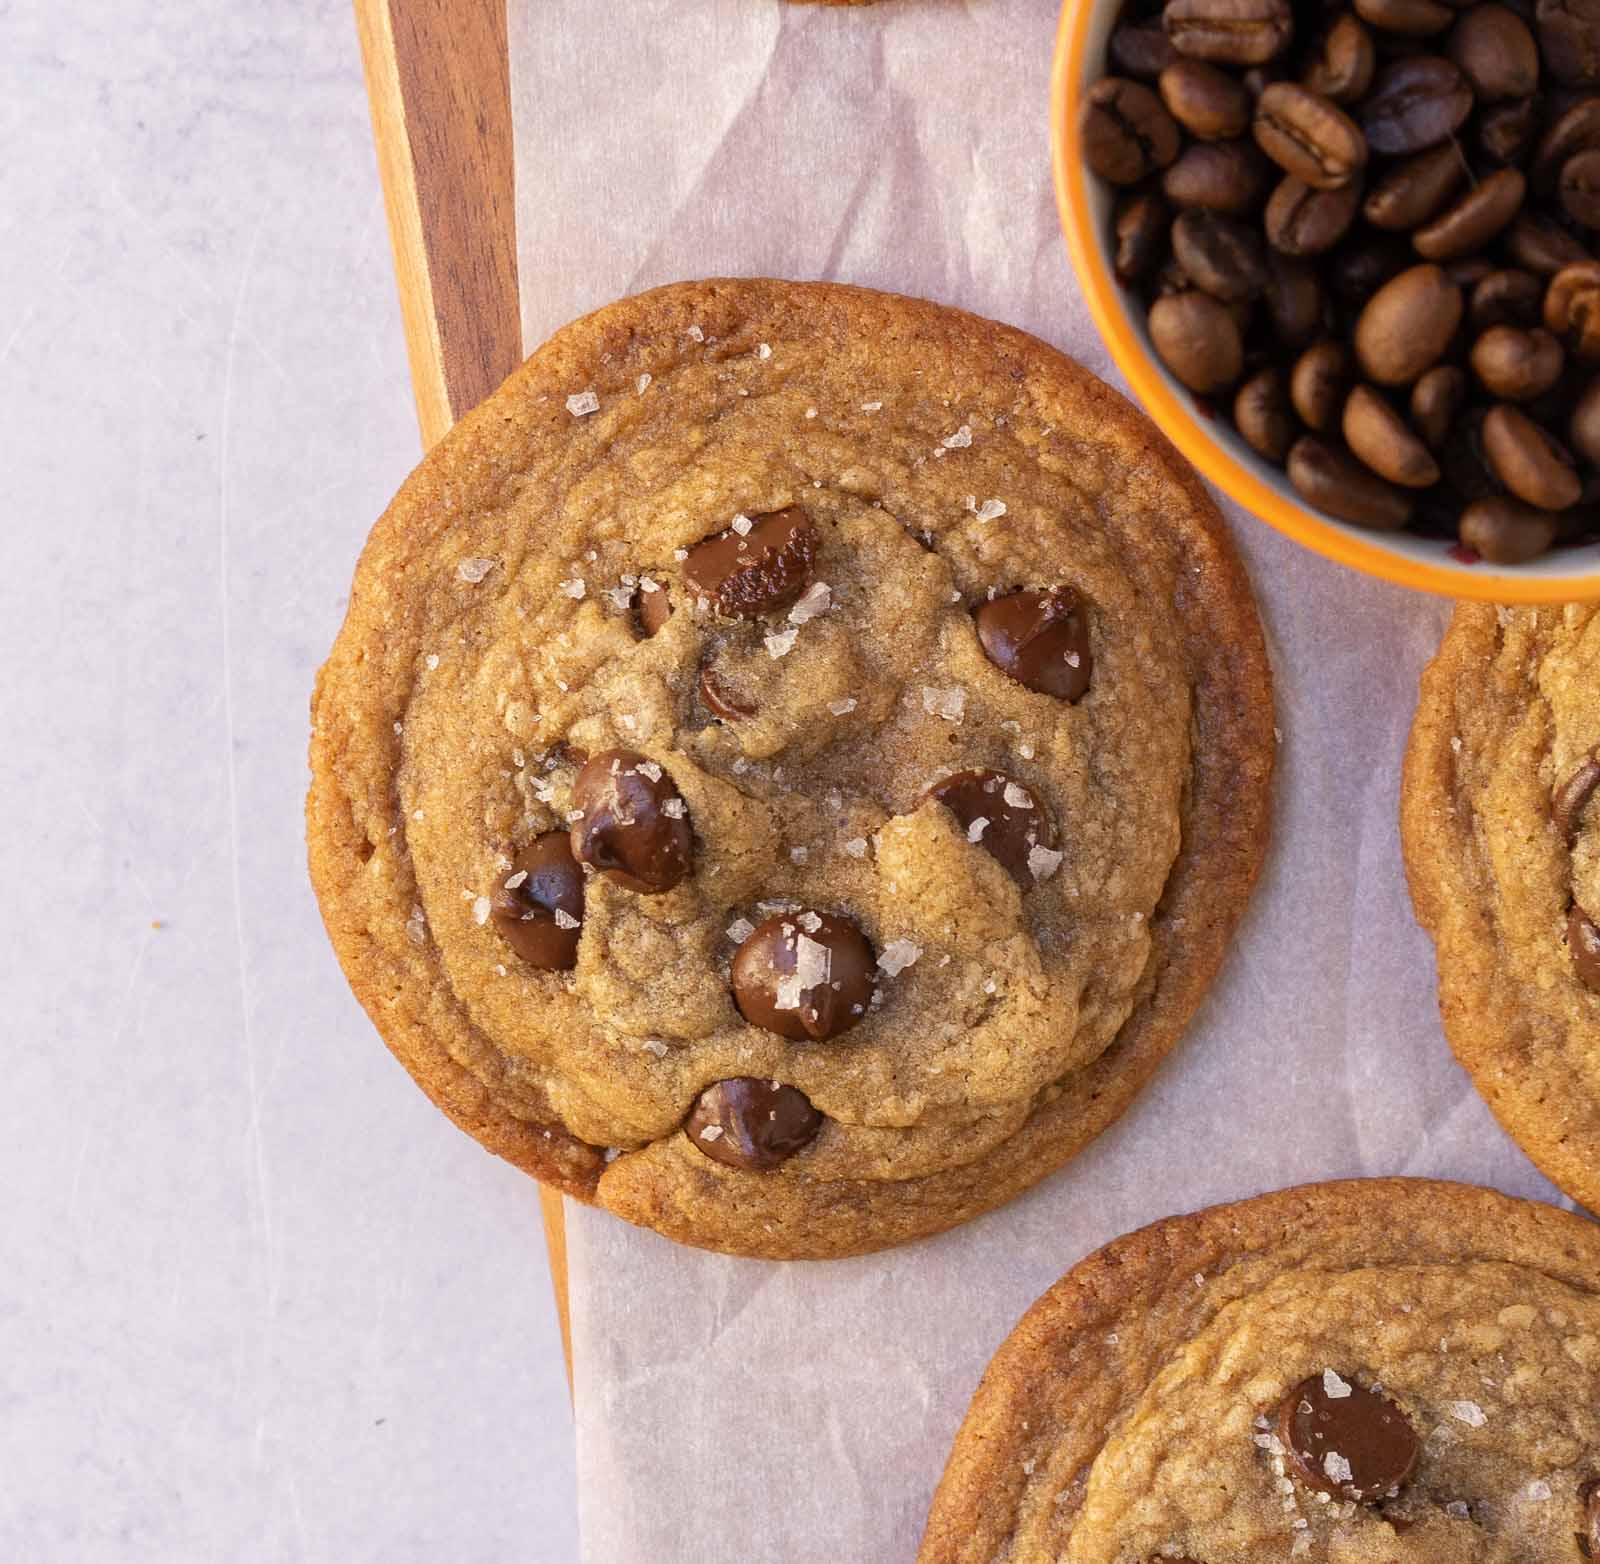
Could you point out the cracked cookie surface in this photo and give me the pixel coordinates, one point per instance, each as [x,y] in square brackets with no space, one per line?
[699,586]
[1501,831]
[1155,1404]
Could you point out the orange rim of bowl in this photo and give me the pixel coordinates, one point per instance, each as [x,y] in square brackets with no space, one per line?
[1179,422]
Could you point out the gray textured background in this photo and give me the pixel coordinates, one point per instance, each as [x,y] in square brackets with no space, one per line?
[258,1300]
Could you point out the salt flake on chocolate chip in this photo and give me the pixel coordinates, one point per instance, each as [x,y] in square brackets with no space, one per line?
[817,599]
[897,955]
[1334,1388]
[781,643]
[977,828]
[1018,797]
[813,962]
[565,920]
[742,525]
[472,571]
[1338,1469]
[1043,862]
[674,808]
[649,768]
[581,403]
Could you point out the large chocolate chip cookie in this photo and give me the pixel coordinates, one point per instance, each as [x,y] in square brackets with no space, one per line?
[792,765]
[1502,842]
[1378,1372]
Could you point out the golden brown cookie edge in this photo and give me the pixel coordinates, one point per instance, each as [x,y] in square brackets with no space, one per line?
[1059,1377]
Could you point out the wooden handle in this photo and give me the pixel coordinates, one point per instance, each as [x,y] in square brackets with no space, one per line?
[438,79]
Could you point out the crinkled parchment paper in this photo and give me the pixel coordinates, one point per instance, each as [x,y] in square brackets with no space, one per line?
[735,1410]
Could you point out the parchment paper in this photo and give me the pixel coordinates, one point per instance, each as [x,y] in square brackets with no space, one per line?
[735,1410]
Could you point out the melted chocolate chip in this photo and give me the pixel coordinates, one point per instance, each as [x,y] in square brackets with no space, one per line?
[651,610]
[1583,940]
[635,828]
[541,914]
[751,1124]
[1567,808]
[807,976]
[1041,639]
[767,568]
[718,701]
[1589,1537]
[1345,1441]
[1015,822]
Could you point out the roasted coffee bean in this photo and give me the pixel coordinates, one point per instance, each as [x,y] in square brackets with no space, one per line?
[1572,798]
[751,1124]
[1229,32]
[1539,245]
[1413,191]
[1412,18]
[1141,229]
[1319,383]
[1303,221]
[1569,40]
[1040,639]
[1336,483]
[1506,131]
[1529,460]
[1342,62]
[1230,177]
[1504,531]
[1474,220]
[652,607]
[1414,104]
[1572,309]
[1583,941]
[1579,187]
[1293,297]
[1380,437]
[1309,136]
[1327,1416]
[1506,298]
[1263,415]
[1197,339]
[1004,818]
[1210,104]
[1583,430]
[1127,133]
[1575,131]
[1494,49]
[1436,402]
[538,908]
[1407,325]
[1141,49]
[1220,255]
[634,826]
[1517,365]
[755,567]
[807,976]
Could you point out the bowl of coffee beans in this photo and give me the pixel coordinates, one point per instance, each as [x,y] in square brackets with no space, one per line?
[1347,253]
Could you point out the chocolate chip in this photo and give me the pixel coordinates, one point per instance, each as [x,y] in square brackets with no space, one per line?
[1345,1441]
[807,976]
[635,828]
[717,699]
[541,914]
[1041,639]
[1572,798]
[746,575]
[1583,940]
[751,1124]
[651,610]
[1589,1538]
[1014,822]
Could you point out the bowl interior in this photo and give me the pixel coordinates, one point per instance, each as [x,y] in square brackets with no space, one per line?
[1427,564]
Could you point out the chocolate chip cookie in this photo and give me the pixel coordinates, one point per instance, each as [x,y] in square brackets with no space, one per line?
[792,765]
[1376,1372]
[1501,829]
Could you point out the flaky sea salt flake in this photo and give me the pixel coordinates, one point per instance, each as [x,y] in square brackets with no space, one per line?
[472,571]
[897,955]
[1468,1412]
[581,403]
[959,440]
[574,588]
[781,643]
[1017,797]
[1043,862]
[1337,1468]
[763,350]
[950,704]
[643,382]
[842,708]
[990,510]
[654,1045]
[742,525]
[977,828]
[1334,1388]
[856,847]
[740,930]
[674,808]
[565,920]
[813,961]
[817,599]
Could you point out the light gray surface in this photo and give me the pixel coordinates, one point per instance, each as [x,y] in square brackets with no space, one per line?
[258,1300]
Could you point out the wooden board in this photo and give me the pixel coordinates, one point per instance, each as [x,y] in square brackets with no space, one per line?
[438,79]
